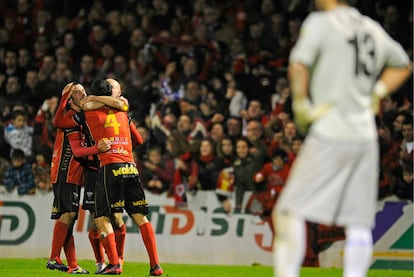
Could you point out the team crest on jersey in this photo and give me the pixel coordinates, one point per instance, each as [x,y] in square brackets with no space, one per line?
[180,189]
[89,194]
[75,196]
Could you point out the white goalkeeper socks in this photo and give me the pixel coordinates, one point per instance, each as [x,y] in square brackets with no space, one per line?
[358,251]
[289,245]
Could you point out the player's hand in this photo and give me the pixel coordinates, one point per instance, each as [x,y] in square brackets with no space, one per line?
[319,111]
[375,103]
[104,145]
[258,178]
[301,109]
[380,91]
[306,113]
[67,89]
[87,99]
[125,104]
[88,103]
[227,206]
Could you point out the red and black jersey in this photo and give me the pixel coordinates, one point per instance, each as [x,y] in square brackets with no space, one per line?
[275,179]
[85,141]
[63,116]
[113,125]
[65,168]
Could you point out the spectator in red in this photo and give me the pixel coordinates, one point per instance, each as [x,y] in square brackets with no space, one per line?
[44,132]
[269,182]
[208,165]
[185,170]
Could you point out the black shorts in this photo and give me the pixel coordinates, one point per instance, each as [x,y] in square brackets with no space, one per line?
[89,190]
[66,199]
[119,187]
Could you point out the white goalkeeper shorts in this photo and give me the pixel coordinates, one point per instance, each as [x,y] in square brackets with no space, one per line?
[333,183]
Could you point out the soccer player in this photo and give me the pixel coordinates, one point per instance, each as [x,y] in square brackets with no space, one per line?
[67,179]
[84,150]
[345,62]
[92,102]
[118,186]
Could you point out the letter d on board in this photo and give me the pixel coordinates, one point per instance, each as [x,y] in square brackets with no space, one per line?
[11,232]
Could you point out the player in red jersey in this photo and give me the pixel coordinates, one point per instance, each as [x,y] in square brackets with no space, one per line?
[92,102]
[83,150]
[67,179]
[118,185]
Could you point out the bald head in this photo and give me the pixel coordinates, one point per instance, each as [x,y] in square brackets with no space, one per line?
[116,87]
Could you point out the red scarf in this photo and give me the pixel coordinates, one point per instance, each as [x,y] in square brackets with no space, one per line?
[207,158]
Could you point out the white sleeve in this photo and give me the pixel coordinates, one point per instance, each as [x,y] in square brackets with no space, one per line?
[396,55]
[308,44]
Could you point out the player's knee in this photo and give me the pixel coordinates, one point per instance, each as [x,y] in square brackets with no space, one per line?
[285,221]
[68,217]
[140,219]
[359,235]
[118,220]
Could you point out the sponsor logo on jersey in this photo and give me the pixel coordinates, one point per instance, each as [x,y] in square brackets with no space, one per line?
[119,204]
[125,170]
[140,203]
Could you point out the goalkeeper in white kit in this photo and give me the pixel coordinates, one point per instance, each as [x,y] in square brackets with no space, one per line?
[341,66]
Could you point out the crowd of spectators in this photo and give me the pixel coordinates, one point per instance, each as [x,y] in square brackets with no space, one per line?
[206,82]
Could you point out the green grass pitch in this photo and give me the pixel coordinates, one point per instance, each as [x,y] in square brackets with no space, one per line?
[37,267]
